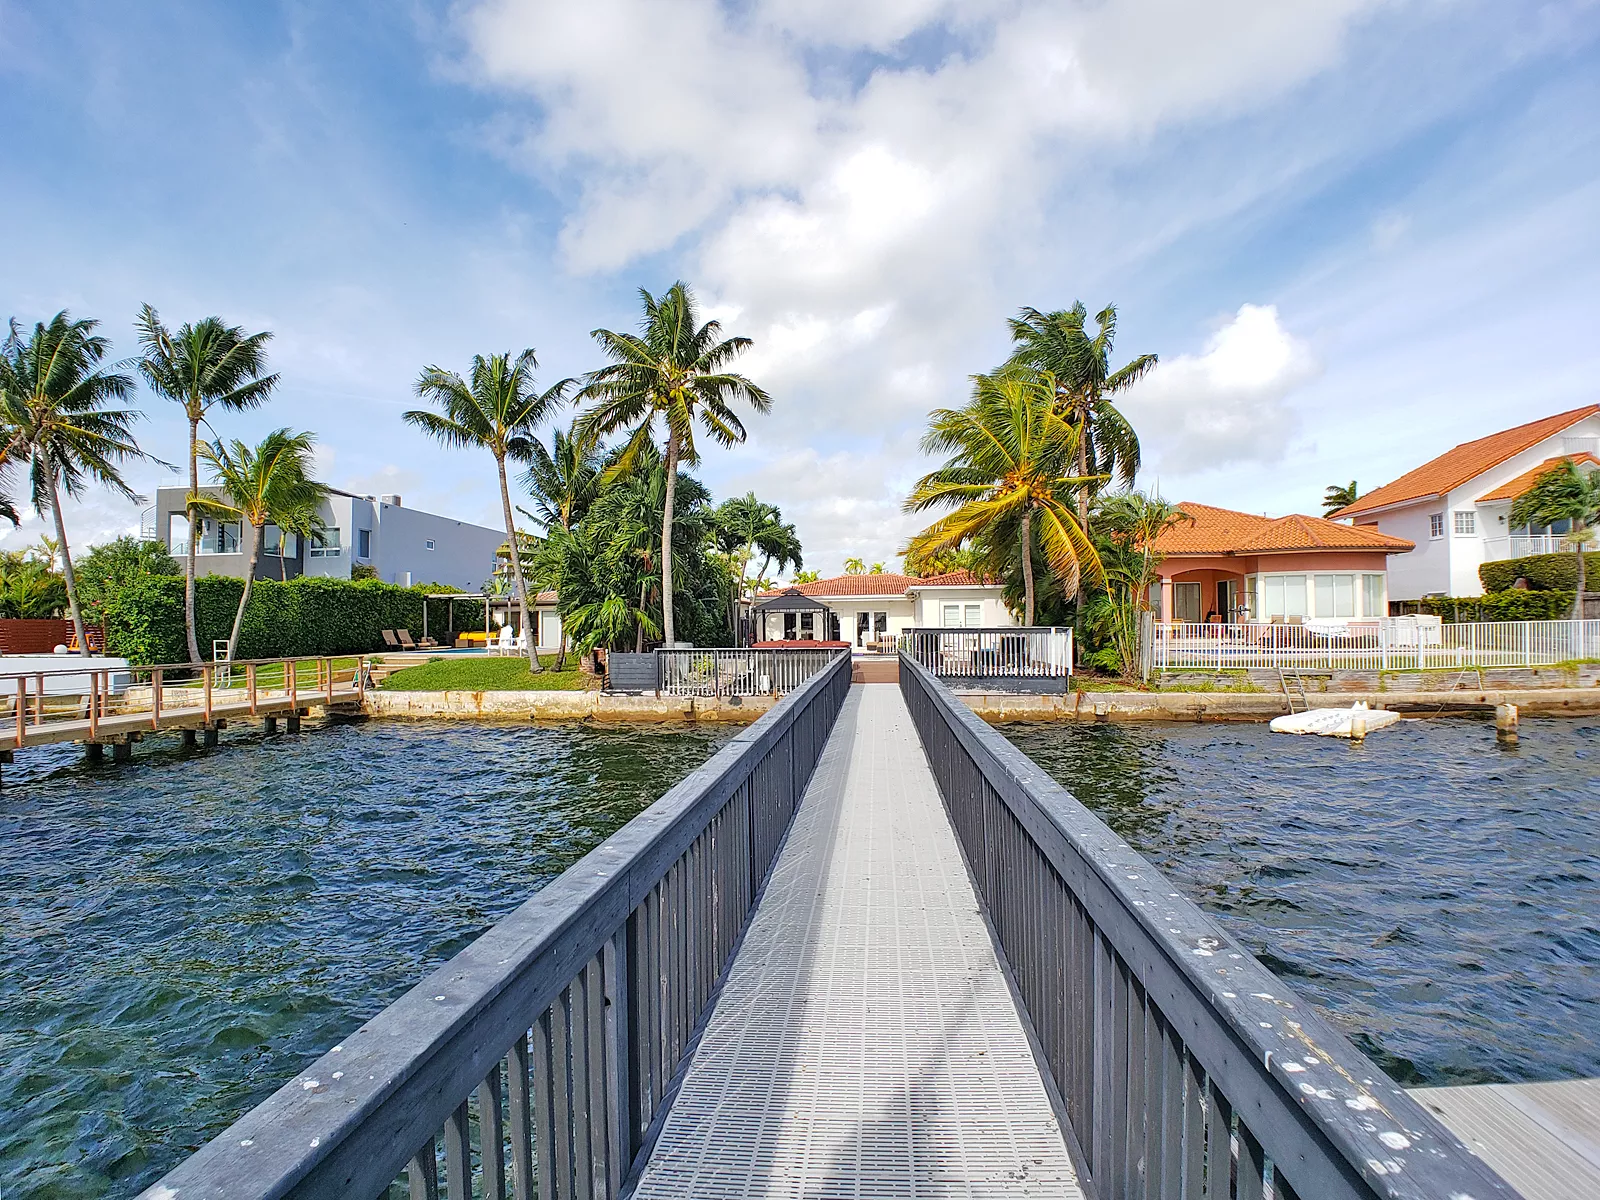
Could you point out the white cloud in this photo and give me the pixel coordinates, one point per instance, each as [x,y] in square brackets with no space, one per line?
[1226,405]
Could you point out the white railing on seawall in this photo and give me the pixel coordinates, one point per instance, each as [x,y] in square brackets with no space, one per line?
[1388,644]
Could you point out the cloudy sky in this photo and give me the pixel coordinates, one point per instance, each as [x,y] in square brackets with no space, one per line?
[1356,232]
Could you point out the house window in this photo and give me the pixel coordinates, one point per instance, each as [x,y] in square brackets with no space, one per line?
[1372,602]
[1436,525]
[1466,521]
[958,616]
[1336,595]
[428,545]
[324,544]
[1283,596]
[1186,602]
[363,543]
[275,543]
[218,537]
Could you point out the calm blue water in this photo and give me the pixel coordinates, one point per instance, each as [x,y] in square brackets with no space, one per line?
[181,934]
[1439,898]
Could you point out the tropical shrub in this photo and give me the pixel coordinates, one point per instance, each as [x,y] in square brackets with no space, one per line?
[29,588]
[1544,572]
[144,619]
[111,566]
[1512,605]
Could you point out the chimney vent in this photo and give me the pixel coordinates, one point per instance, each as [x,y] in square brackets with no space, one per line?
[394,500]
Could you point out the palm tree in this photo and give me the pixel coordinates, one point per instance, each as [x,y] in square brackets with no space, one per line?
[1564,493]
[745,526]
[673,369]
[854,566]
[496,411]
[203,366]
[1009,466]
[1337,497]
[54,415]
[1133,522]
[563,479]
[1058,345]
[265,484]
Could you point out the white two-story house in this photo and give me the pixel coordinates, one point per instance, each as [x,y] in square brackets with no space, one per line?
[1457,507]
[402,545]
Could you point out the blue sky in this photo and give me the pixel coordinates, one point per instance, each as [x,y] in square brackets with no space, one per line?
[1356,232]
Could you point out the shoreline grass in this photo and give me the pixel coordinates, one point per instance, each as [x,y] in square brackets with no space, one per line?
[508,674]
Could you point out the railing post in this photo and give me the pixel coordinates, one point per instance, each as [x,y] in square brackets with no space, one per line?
[22,709]
[250,685]
[291,681]
[329,668]
[619,1090]
[155,698]
[94,717]
[205,678]
[38,701]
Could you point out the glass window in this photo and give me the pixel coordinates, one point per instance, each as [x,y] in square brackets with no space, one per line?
[1372,603]
[1252,598]
[1436,525]
[974,613]
[363,543]
[324,544]
[178,533]
[950,617]
[1466,521]
[1186,601]
[1294,595]
[863,628]
[428,545]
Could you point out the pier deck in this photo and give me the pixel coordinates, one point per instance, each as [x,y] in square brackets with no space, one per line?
[1544,1138]
[866,1041]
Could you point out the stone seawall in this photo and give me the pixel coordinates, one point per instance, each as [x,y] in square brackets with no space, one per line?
[998,708]
[564,706]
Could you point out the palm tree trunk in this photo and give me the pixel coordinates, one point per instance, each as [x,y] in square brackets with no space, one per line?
[1577,598]
[249,582]
[1027,566]
[668,625]
[66,563]
[194,535]
[516,567]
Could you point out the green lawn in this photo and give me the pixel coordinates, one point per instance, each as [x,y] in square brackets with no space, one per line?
[475,674]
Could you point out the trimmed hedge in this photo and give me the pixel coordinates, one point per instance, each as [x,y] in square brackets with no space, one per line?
[1544,573]
[1514,605]
[144,621]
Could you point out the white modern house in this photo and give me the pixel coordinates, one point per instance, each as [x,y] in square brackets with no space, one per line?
[1456,508]
[871,611]
[403,545]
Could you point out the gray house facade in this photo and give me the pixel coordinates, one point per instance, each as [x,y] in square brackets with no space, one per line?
[403,545]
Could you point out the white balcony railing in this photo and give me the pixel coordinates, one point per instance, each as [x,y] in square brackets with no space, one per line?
[1521,545]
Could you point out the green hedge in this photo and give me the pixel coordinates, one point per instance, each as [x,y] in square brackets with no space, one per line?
[1544,572]
[1514,605]
[144,621]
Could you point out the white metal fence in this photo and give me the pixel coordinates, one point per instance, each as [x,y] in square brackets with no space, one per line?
[998,653]
[714,672]
[1389,644]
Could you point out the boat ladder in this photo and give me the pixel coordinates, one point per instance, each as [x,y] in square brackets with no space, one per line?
[1294,688]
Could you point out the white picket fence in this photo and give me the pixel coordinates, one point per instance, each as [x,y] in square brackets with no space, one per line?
[1387,644]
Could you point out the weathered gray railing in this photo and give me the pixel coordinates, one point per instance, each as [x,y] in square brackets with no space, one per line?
[542,1055]
[1185,1068]
[714,672]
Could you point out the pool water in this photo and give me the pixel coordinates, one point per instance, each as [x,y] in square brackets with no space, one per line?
[1437,897]
[179,935]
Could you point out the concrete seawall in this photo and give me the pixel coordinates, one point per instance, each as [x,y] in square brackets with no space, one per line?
[563,706]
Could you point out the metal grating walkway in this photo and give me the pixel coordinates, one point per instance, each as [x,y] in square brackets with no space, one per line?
[866,1043]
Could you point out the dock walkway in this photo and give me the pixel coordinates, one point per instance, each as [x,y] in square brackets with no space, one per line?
[1544,1138]
[866,1042]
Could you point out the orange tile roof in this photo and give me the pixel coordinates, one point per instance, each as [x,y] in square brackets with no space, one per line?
[1224,531]
[880,585]
[1466,461]
[1510,491]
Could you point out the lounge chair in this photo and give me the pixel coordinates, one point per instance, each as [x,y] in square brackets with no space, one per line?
[390,641]
[405,639]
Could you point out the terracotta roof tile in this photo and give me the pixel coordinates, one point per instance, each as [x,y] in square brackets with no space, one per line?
[1224,531]
[1466,461]
[1515,488]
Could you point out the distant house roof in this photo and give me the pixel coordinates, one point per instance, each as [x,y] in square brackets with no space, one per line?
[884,584]
[1515,488]
[1224,531]
[1466,461]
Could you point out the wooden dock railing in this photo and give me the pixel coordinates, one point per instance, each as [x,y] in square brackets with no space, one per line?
[91,703]
[1184,1067]
[544,1055]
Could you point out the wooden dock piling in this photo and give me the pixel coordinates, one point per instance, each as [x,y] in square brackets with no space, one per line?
[1505,725]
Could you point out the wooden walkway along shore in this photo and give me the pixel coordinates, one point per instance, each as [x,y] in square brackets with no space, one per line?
[117,707]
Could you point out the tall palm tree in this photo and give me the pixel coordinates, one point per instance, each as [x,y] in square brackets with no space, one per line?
[563,481]
[1078,364]
[54,413]
[1339,496]
[1009,469]
[1564,493]
[1132,522]
[203,366]
[496,410]
[266,484]
[673,370]
[745,526]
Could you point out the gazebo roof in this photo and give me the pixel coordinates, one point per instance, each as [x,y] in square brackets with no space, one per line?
[791,600]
